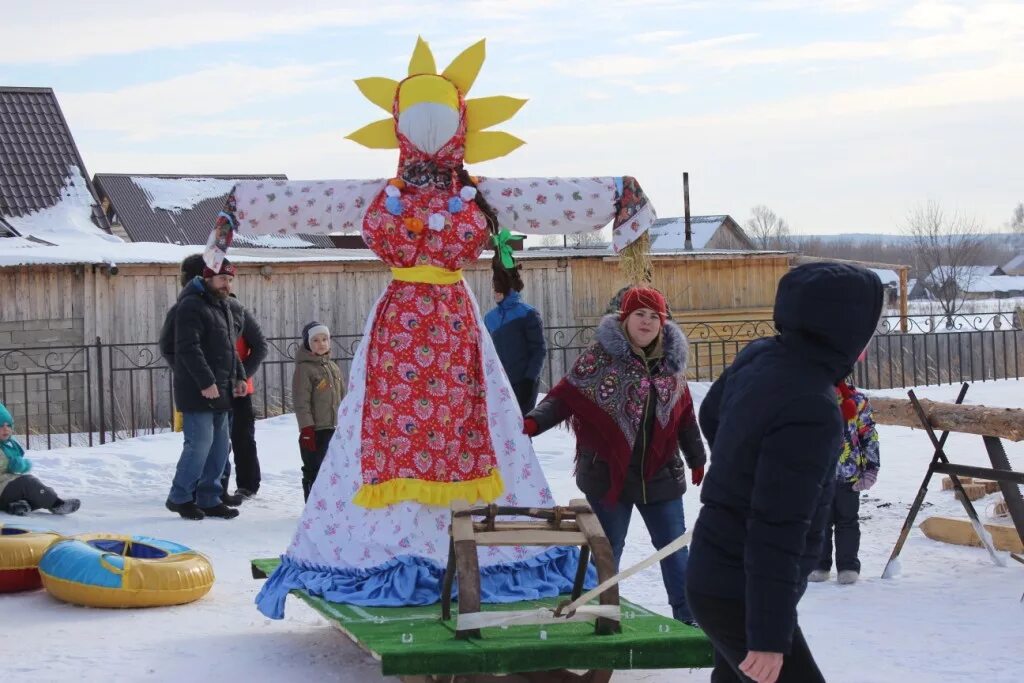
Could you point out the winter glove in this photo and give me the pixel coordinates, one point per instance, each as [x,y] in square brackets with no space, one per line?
[866,481]
[18,464]
[697,475]
[307,439]
[530,427]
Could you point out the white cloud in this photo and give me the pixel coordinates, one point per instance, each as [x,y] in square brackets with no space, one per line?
[610,66]
[31,34]
[840,6]
[932,14]
[212,101]
[653,37]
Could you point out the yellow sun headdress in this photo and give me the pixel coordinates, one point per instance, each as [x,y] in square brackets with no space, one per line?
[424,85]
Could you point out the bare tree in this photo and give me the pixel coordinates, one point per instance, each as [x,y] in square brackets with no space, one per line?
[768,230]
[575,240]
[585,239]
[1017,222]
[946,247]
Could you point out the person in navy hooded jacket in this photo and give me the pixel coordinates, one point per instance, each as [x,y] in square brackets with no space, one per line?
[518,335]
[775,432]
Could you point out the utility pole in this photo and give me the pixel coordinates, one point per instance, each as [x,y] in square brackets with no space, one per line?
[688,244]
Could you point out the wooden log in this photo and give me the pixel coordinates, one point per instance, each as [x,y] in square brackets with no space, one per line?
[960,532]
[973,491]
[947,482]
[1004,423]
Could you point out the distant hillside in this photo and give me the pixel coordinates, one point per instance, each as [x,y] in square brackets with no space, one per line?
[887,238]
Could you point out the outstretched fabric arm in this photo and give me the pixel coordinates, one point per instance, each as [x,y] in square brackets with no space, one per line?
[283,207]
[555,206]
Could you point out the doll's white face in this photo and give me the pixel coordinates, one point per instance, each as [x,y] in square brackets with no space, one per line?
[643,326]
[320,344]
[428,125]
[5,432]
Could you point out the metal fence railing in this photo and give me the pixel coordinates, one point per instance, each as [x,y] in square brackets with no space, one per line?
[100,392]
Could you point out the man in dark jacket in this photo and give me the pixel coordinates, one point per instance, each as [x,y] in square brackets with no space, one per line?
[252,350]
[207,373]
[518,334]
[775,432]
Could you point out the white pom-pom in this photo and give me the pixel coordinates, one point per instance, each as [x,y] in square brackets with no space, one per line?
[392,191]
[467,193]
[436,221]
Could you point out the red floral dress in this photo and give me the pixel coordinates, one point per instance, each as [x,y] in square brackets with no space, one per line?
[424,423]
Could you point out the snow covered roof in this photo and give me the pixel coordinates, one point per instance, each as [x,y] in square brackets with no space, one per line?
[670,233]
[963,273]
[1016,263]
[16,252]
[69,220]
[40,167]
[887,276]
[996,283]
[98,252]
[182,209]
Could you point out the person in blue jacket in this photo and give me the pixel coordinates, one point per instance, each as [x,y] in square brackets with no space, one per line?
[775,431]
[518,334]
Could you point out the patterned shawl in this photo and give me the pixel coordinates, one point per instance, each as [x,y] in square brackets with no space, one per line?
[606,392]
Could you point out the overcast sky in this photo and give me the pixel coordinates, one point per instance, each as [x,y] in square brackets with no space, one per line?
[840,115]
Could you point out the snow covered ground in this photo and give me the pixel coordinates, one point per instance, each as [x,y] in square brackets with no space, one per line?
[951,615]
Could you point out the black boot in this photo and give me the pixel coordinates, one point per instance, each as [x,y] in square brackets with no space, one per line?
[187,510]
[231,500]
[221,510]
[65,507]
[19,508]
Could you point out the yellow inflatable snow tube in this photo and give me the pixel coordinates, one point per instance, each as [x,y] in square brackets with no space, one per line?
[105,570]
[21,548]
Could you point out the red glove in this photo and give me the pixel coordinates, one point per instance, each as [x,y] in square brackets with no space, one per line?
[530,427]
[307,439]
[697,475]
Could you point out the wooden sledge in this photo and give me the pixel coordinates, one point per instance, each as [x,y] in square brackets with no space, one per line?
[961,532]
[418,646]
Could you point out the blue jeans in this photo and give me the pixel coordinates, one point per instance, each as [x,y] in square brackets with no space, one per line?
[202,459]
[665,522]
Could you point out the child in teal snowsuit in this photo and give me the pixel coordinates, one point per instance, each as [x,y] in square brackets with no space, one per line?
[20,492]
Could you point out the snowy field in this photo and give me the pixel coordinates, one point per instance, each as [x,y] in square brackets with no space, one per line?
[950,616]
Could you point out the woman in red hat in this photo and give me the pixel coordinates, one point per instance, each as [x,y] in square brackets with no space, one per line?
[627,402]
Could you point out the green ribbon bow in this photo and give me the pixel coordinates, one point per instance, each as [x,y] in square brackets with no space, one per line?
[504,249]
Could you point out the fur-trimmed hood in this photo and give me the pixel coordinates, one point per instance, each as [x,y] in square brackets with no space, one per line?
[612,339]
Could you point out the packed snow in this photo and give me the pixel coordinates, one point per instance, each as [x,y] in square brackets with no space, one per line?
[69,220]
[181,194]
[949,614]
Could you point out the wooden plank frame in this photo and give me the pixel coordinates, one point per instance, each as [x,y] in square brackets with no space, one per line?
[573,525]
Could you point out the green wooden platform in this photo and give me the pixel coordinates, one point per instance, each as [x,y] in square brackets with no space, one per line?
[411,641]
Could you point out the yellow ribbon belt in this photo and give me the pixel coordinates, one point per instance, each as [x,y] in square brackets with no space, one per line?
[431,275]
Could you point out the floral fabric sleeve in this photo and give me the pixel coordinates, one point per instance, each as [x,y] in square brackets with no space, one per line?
[554,206]
[282,207]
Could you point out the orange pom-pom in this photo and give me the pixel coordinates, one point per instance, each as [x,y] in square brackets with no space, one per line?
[397,182]
[413,225]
